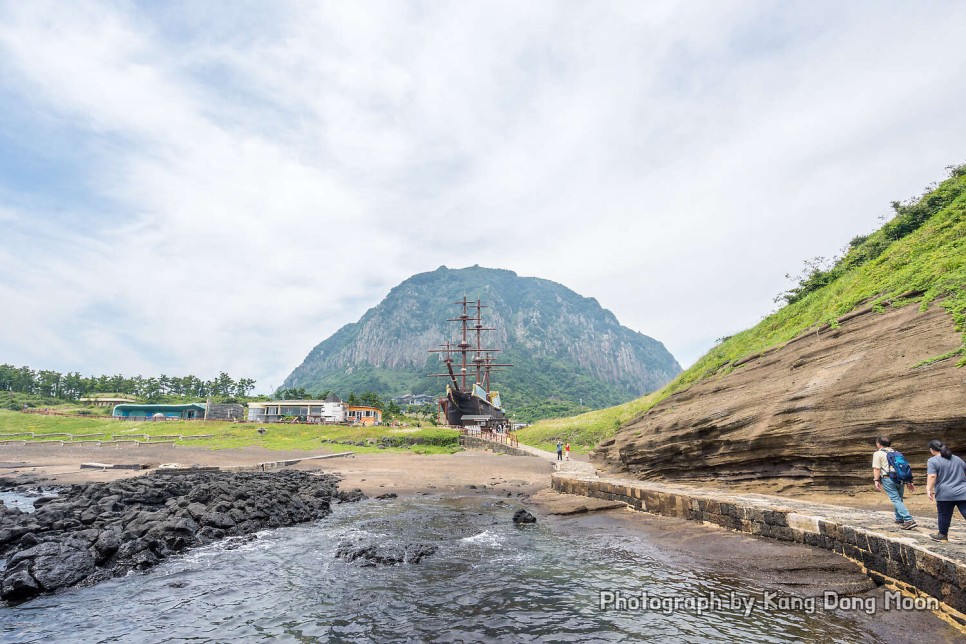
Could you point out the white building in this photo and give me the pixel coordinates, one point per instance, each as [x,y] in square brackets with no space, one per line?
[330,410]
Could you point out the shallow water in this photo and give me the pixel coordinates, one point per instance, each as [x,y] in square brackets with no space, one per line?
[22,500]
[489,581]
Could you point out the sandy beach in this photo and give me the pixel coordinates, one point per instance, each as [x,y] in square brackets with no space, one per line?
[403,473]
[374,473]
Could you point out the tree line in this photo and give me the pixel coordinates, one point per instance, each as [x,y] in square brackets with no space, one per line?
[72,386]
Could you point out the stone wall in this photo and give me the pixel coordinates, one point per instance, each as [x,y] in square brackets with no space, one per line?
[895,561]
[472,442]
[226,411]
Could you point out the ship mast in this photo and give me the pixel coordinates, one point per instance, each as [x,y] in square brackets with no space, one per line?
[480,361]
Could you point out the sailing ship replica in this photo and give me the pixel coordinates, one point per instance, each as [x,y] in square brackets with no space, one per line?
[469,401]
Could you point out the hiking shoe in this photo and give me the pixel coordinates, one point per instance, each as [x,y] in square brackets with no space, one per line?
[909,525]
[899,521]
[938,536]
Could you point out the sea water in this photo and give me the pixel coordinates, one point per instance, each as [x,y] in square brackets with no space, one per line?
[488,581]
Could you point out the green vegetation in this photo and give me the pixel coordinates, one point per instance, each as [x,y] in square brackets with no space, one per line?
[918,256]
[585,431]
[926,263]
[549,408]
[71,386]
[277,436]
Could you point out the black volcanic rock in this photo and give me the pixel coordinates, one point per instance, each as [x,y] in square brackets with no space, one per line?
[562,345]
[100,530]
[382,553]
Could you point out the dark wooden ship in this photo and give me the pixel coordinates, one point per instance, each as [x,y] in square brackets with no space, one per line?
[469,401]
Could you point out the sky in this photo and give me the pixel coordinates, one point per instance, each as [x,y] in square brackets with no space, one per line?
[195,187]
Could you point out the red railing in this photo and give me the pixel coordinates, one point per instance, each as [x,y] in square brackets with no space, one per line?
[504,438]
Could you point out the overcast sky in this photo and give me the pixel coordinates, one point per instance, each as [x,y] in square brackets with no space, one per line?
[204,186]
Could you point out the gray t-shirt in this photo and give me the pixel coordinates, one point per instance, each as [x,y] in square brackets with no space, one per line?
[950,477]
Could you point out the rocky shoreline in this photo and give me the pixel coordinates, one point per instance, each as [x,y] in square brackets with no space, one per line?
[96,531]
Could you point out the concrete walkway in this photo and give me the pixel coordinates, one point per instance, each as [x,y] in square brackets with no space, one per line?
[878,521]
[907,560]
[572,466]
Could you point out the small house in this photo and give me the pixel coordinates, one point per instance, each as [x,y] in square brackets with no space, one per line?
[364,415]
[330,410]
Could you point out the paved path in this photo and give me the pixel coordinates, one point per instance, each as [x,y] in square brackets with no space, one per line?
[573,466]
[878,521]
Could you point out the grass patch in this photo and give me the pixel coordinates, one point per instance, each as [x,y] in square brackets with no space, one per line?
[931,262]
[922,251]
[585,431]
[940,358]
[278,436]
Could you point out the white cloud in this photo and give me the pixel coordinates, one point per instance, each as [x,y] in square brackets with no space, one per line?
[273,172]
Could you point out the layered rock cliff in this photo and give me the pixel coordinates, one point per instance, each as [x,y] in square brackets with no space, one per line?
[809,411]
[874,344]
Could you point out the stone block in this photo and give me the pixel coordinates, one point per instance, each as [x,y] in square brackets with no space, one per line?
[728,510]
[887,566]
[950,570]
[830,529]
[682,506]
[782,533]
[877,545]
[846,535]
[897,570]
[803,522]
[775,518]
[961,576]
[729,522]
[851,552]
[930,564]
[906,554]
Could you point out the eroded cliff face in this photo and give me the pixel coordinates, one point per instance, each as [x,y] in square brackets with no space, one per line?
[808,412]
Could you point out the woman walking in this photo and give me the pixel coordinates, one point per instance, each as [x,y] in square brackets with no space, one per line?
[946,485]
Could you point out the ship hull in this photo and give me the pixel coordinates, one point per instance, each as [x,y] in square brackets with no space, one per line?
[461,404]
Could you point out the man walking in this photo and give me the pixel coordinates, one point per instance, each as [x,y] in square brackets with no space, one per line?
[882,473]
[559,450]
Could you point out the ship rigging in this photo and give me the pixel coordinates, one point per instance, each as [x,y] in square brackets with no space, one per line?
[469,401]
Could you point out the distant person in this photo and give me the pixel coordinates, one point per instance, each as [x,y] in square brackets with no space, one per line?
[890,475]
[946,485]
[559,451]
[567,451]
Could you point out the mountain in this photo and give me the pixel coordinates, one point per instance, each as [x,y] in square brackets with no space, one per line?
[568,352]
[873,344]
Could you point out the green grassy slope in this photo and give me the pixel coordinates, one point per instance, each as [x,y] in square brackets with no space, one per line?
[278,436]
[918,256]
